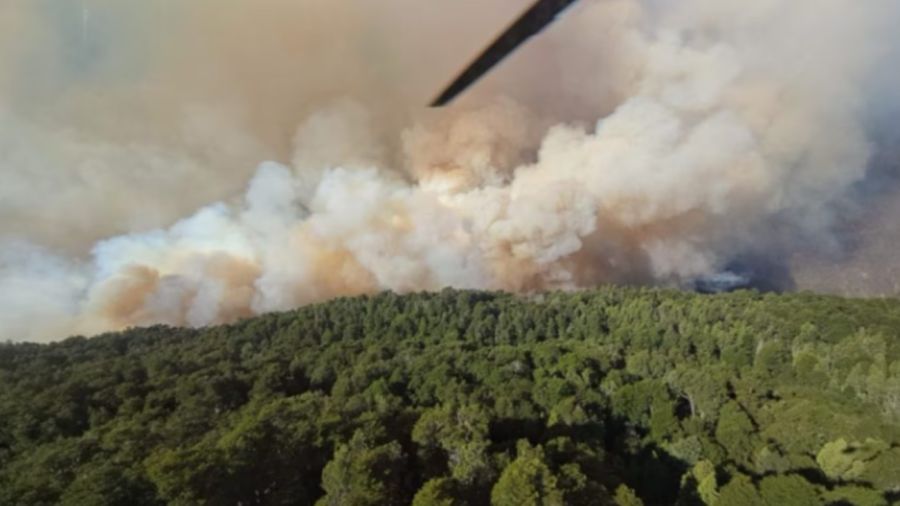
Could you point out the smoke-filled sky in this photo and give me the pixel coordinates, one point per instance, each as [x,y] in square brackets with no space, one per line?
[191,163]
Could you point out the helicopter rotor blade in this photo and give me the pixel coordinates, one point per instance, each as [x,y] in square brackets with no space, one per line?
[529,24]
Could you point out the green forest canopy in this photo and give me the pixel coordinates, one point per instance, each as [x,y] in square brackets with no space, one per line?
[618,396]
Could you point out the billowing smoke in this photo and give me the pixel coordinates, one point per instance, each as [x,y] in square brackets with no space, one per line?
[637,141]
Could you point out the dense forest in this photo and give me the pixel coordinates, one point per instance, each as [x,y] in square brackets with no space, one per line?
[617,396]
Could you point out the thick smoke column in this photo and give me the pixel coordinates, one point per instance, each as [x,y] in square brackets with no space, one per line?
[637,142]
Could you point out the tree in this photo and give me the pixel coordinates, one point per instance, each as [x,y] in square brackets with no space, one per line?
[736,432]
[106,483]
[437,492]
[845,461]
[626,497]
[704,475]
[363,473]
[527,481]
[884,470]
[705,389]
[191,475]
[740,491]
[461,432]
[857,496]
[788,489]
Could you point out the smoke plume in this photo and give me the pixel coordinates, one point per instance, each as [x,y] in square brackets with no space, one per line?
[636,141]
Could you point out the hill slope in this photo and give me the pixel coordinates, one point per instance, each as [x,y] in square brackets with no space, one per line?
[613,396]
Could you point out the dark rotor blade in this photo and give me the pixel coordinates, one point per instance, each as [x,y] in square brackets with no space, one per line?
[529,24]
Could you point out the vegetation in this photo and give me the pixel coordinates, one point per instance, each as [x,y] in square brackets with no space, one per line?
[613,397]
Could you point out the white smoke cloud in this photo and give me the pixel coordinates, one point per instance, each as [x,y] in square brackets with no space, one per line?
[709,129]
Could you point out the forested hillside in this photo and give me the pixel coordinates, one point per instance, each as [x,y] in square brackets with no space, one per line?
[613,397]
